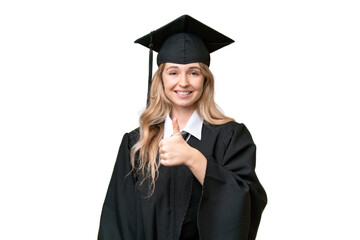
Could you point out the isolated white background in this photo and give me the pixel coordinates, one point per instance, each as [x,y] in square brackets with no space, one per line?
[73,82]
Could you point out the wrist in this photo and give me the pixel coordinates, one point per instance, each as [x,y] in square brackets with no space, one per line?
[190,159]
[194,157]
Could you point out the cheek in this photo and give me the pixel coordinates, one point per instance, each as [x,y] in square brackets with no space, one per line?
[200,86]
[168,84]
[201,90]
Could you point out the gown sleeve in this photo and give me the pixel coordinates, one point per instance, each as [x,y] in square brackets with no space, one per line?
[117,220]
[233,199]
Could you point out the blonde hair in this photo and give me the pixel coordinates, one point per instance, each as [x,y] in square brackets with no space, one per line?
[152,123]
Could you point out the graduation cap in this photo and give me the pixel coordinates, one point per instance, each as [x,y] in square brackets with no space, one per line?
[184,40]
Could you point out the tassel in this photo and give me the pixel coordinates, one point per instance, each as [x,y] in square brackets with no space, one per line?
[150,68]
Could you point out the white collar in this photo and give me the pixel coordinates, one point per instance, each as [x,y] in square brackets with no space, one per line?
[193,126]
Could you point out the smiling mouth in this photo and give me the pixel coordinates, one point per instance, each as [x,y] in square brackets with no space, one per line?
[183,93]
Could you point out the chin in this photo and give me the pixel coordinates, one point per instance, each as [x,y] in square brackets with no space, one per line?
[185,104]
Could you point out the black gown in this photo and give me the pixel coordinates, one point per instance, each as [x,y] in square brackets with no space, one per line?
[228,205]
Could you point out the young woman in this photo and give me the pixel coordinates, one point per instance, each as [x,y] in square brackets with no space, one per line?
[188,171]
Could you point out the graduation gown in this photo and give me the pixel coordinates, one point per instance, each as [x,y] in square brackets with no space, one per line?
[228,205]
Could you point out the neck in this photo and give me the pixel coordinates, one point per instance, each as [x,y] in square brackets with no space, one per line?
[182,114]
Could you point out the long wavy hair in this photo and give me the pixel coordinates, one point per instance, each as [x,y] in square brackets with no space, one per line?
[144,154]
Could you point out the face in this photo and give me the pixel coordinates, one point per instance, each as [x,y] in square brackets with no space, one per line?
[183,84]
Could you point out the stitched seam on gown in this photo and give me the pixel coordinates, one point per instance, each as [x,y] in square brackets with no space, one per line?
[173,197]
[200,201]
[187,205]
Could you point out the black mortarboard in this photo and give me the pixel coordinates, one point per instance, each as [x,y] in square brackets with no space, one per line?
[184,40]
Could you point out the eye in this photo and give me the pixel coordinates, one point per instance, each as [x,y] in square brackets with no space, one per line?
[194,73]
[172,73]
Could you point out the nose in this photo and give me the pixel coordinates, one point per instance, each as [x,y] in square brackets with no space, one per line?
[183,82]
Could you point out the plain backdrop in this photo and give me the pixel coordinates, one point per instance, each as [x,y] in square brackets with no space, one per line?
[73,82]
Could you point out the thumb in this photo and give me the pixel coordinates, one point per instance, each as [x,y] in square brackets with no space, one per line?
[176,128]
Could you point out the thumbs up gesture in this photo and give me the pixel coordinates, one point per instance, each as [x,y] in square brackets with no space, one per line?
[174,150]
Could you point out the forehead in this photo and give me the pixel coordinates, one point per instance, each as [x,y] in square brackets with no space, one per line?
[181,66]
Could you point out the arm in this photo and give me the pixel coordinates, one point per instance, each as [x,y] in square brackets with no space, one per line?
[117,218]
[197,163]
[233,198]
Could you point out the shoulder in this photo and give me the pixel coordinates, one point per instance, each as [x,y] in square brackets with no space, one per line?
[130,138]
[134,136]
[227,127]
[229,130]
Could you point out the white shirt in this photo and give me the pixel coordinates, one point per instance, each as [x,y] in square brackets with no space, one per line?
[193,126]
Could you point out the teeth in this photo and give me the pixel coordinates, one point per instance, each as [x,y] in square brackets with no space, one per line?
[183,93]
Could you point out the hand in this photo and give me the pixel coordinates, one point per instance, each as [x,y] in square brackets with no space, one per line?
[174,150]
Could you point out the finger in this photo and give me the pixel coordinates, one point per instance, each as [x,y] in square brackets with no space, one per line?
[176,129]
[165,162]
[164,156]
[163,148]
[161,143]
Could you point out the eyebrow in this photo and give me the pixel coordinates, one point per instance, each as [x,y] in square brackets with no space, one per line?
[171,67]
[176,67]
[195,67]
